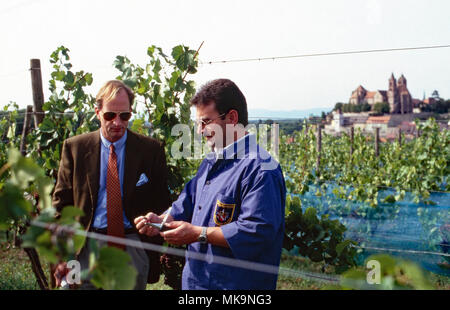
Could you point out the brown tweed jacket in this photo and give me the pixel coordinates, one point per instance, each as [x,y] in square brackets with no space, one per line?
[79,173]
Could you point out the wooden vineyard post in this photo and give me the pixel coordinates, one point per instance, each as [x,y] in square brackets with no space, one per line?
[400,136]
[352,137]
[275,140]
[38,94]
[377,142]
[26,129]
[38,102]
[36,266]
[319,148]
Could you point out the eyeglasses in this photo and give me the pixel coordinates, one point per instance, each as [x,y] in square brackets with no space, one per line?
[208,121]
[109,116]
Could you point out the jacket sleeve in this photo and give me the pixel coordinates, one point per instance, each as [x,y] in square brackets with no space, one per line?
[183,207]
[63,192]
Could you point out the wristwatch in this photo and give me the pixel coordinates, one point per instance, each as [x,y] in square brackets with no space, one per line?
[203,238]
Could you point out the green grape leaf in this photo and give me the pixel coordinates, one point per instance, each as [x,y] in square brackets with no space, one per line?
[113,270]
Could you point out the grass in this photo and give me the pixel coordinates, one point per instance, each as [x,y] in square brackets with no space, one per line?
[286,282]
[159,286]
[15,271]
[440,282]
[16,274]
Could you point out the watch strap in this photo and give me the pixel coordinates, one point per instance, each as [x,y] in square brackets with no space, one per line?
[203,238]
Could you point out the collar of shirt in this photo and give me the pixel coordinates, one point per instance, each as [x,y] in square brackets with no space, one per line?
[237,149]
[118,145]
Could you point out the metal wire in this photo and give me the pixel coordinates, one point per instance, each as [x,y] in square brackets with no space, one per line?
[401,250]
[232,262]
[327,54]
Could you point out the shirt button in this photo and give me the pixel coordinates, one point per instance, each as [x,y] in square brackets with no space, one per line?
[208,182]
[199,207]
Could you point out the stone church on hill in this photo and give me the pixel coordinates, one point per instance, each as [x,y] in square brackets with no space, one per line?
[398,96]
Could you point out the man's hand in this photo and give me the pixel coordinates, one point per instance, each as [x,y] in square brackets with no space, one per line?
[61,271]
[143,228]
[180,233]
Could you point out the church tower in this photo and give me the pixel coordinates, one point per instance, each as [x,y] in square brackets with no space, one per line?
[401,90]
[405,99]
[393,95]
[402,83]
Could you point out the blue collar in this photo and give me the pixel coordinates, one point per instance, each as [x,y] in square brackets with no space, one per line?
[236,150]
[117,145]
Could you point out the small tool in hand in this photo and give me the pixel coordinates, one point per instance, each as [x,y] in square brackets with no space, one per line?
[161,226]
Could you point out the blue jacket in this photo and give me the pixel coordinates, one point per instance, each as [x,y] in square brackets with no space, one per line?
[243,193]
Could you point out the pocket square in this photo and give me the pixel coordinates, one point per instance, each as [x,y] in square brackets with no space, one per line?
[142,180]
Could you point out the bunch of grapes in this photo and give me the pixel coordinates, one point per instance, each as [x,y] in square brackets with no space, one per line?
[172,267]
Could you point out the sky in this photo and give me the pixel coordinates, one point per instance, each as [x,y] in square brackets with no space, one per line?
[96,31]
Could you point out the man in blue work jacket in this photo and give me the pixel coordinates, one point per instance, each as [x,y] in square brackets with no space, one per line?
[233,207]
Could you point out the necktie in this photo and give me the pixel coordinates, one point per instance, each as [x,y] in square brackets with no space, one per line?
[114,212]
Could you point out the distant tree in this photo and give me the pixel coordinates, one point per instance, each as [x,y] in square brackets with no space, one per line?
[365,107]
[424,107]
[435,95]
[440,106]
[357,108]
[348,108]
[338,106]
[381,107]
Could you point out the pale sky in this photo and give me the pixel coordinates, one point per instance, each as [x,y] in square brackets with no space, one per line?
[96,31]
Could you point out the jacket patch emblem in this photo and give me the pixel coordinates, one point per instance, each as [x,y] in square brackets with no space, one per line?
[223,213]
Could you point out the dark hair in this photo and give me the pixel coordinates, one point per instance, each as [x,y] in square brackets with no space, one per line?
[226,95]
